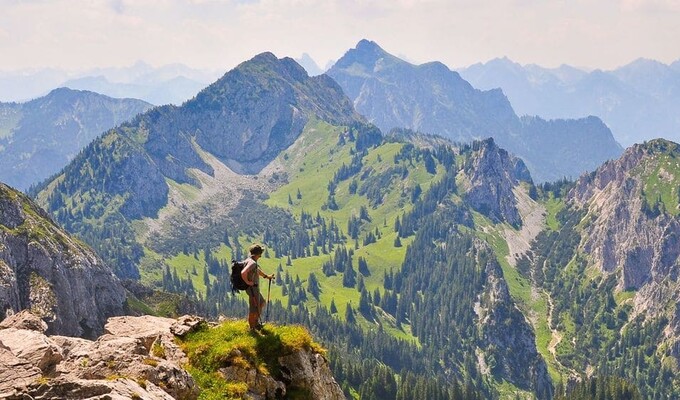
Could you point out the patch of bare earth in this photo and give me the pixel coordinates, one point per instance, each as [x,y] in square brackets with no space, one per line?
[217,195]
[533,222]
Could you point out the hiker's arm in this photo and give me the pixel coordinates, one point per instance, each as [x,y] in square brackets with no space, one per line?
[262,274]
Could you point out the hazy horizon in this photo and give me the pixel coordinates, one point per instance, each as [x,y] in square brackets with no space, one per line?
[217,35]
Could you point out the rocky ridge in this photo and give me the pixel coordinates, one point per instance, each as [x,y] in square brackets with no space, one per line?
[45,270]
[135,358]
[629,237]
[490,176]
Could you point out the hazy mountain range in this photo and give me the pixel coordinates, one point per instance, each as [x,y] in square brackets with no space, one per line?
[169,84]
[532,285]
[430,98]
[428,268]
[39,137]
[639,101]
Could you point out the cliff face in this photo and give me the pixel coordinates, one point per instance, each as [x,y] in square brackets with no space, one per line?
[489,176]
[55,276]
[634,229]
[142,358]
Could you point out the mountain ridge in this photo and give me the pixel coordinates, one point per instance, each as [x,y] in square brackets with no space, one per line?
[430,98]
[39,137]
[636,100]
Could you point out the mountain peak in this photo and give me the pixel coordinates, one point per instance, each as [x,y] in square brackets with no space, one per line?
[366,54]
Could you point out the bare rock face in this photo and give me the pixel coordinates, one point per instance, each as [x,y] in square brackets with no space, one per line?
[626,235]
[309,370]
[509,341]
[490,175]
[44,270]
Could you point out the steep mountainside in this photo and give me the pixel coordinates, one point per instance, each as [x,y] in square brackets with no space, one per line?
[242,121]
[430,268]
[39,137]
[638,101]
[610,265]
[636,232]
[45,270]
[432,99]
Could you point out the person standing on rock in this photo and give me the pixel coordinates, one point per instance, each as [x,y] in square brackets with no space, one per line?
[251,275]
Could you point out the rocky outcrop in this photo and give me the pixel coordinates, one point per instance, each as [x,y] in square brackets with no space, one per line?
[305,369]
[489,175]
[508,341]
[141,360]
[627,234]
[45,270]
[137,357]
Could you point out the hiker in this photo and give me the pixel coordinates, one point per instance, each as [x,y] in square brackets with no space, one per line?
[251,275]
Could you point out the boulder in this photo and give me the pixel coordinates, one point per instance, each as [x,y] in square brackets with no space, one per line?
[310,371]
[32,346]
[24,319]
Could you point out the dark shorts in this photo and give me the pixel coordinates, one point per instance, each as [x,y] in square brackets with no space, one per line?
[255,299]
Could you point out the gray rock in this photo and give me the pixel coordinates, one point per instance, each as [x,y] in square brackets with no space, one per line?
[82,389]
[186,324]
[32,346]
[491,174]
[15,373]
[59,279]
[304,369]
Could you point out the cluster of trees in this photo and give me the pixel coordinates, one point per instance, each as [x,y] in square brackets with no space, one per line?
[600,388]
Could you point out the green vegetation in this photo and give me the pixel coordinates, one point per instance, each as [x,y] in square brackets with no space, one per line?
[232,344]
[661,180]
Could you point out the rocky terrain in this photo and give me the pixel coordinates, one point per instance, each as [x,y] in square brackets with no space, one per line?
[47,271]
[631,236]
[491,175]
[135,358]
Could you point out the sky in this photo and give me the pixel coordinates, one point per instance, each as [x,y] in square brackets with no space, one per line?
[219,34]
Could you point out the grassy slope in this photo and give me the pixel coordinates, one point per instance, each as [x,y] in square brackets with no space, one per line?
[322,158]
[661,180]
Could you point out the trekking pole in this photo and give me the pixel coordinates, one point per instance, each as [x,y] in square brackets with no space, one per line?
[266,318]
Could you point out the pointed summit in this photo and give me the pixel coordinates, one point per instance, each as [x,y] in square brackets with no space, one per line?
[366,54]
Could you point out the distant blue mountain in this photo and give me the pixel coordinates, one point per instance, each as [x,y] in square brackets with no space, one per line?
[639,101]
[309,65]
[169,84]
[430,98]
[39,137]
